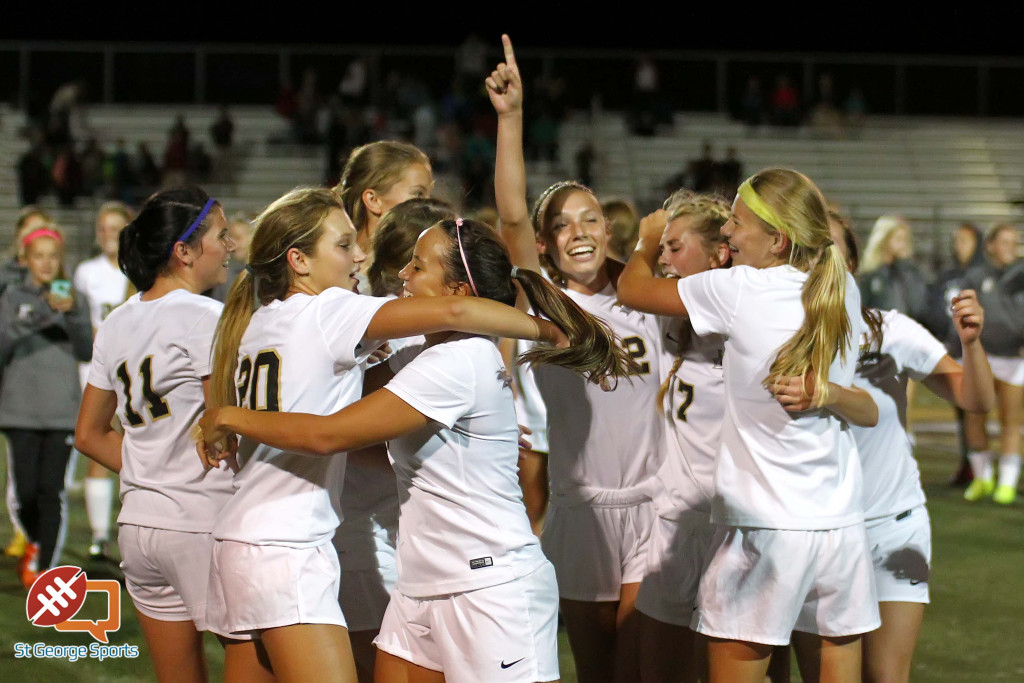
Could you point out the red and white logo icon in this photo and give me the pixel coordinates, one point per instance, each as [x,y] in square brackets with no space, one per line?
[58,594]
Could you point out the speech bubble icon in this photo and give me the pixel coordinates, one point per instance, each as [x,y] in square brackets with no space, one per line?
[101,627]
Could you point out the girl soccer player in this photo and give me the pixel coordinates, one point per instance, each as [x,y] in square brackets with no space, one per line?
[43,333]
[151,365]
[693,396]
[476,599]
[368,505]
[603,446]
[376,177]
[791,550]
[106,287]
[899,532]
[1000,287]
[293,338]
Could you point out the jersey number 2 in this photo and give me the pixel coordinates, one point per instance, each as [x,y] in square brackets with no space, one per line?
[262,372]
[637,350]
[155,404]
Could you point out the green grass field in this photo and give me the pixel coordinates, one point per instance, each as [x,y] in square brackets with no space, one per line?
[972,630]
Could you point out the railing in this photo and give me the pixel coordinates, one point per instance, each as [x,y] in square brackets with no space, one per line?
[691,81]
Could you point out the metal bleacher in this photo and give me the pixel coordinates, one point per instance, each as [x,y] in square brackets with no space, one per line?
[935,172]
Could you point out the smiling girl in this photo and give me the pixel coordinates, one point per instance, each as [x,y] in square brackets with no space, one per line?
[603,446]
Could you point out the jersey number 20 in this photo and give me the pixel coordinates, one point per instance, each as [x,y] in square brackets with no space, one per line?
[259,380]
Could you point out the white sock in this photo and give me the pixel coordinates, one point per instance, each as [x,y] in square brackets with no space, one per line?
[99,499]
[981,464]
[1009,469]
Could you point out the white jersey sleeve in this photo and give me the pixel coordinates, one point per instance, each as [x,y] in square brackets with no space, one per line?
[892,481]
[711,298]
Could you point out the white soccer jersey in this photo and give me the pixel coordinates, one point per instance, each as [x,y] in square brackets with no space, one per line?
[693,409]
[775,470]
[300,355]
[892,482]
[153,355]
[463,522]
[104,285]
[605,440]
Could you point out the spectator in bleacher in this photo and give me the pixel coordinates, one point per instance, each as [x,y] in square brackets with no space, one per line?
[92,159]
[728,174]
[702,170]
[889,278]
[471,61]
[67,175]
[855,107]
[826,119]
[175,166]
[751,106]
[119,174]
[785,103]
[645,96]
[222,133]
[624,224]
[584,158]
[33,175]
[478,167]
[1000,286]
[966,252]
[354,84]
[542,137]
[307,108]
[200,163]
[147,173]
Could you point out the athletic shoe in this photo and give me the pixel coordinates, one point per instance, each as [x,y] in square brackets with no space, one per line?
[1005,494]
[98,551]
[979,488]
[16,548]
[28,565]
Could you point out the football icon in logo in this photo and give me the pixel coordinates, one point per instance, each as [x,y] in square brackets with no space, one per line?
[56,596]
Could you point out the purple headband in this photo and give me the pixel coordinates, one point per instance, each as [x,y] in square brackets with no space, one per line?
[195,224]
[458,238]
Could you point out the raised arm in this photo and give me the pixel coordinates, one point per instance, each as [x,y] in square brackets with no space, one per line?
[639,287]
[425,315]
[970,386]
[374,419]
[505,88]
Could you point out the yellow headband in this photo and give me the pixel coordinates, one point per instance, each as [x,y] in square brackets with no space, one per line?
[749,195]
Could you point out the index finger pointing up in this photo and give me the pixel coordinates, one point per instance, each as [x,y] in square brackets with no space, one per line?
[510,56]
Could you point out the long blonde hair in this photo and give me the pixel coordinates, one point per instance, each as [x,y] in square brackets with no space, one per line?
[293,221]
[826,329]
[878,241]
[374,166]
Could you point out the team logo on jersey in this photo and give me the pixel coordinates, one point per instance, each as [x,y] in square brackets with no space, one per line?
[988,284]
[58,594]
[25,312]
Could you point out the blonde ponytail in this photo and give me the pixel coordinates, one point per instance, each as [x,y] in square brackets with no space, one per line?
[234,320]
[826,328]
[791,203]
